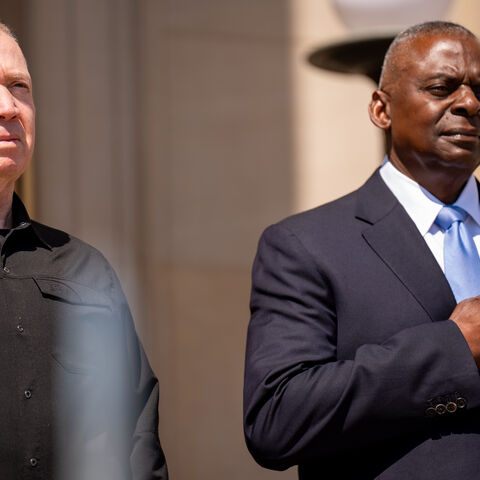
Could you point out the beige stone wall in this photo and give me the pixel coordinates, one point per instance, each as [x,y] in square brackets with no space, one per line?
[170,133]
[218,119]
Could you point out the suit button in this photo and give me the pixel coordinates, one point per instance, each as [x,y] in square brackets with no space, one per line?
[28,394]
[20,328]
[451,407]
[461,402]
[33,462]
[6,269]
[430,412]
[440,409]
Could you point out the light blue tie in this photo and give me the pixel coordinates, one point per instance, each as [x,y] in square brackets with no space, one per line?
[462,263]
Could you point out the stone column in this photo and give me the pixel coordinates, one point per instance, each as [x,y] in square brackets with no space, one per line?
[82,57]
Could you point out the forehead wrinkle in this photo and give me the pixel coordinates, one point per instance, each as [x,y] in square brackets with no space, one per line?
[449,73]
[462,65]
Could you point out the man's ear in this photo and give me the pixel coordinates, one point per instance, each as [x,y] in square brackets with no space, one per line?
[379,110]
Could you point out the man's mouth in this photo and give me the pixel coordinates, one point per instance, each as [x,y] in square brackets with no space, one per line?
[9,138]
[467,133]
[468,138]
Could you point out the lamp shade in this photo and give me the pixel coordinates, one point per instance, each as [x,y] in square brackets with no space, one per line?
[366,14]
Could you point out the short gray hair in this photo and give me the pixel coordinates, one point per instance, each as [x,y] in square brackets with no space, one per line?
[427,28]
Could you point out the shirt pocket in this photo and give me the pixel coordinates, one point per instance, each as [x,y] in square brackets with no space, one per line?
[79,320]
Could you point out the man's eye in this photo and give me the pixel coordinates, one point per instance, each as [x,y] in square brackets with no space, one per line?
[20,85]
[439,90]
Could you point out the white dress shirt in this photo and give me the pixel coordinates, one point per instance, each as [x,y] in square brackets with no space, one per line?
[423,207]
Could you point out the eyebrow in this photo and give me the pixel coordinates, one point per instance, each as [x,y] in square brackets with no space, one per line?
[441,75]
[15,76]
[448,74]
[449,78]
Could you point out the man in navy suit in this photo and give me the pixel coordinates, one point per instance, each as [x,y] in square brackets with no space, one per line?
[363,353]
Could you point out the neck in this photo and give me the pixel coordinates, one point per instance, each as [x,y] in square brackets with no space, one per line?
[6,197]
[446,184]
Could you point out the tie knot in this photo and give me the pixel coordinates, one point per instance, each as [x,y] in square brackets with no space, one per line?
[448,215]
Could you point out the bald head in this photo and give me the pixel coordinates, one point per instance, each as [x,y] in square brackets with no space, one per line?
[402,49]
[6,29]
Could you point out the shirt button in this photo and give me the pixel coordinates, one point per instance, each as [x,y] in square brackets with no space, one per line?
[20,328]
[28,393]
[430,412]
[451,407]
[6,269]
[33,462]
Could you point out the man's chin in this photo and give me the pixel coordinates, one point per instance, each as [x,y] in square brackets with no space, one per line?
[11,168]
[459,158]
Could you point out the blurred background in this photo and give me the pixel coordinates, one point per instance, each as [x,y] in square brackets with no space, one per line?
[170,133]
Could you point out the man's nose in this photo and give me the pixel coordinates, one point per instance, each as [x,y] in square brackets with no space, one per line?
[8,106]
[466,103]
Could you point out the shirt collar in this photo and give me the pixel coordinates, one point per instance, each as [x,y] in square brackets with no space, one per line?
[420,204]
[21,220]
[468,199]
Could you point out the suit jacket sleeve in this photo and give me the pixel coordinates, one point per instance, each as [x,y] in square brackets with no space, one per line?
[300,401]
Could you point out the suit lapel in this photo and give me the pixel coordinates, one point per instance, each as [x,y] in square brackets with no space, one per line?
[391,233]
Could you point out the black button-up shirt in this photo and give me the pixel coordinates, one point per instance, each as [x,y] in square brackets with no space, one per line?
[78,399]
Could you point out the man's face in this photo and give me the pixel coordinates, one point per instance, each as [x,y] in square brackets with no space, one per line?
[17,111]
[434,105]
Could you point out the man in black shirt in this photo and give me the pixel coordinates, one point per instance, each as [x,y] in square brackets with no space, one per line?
[78,398]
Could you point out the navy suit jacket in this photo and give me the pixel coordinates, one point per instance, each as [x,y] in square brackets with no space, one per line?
[351,357]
